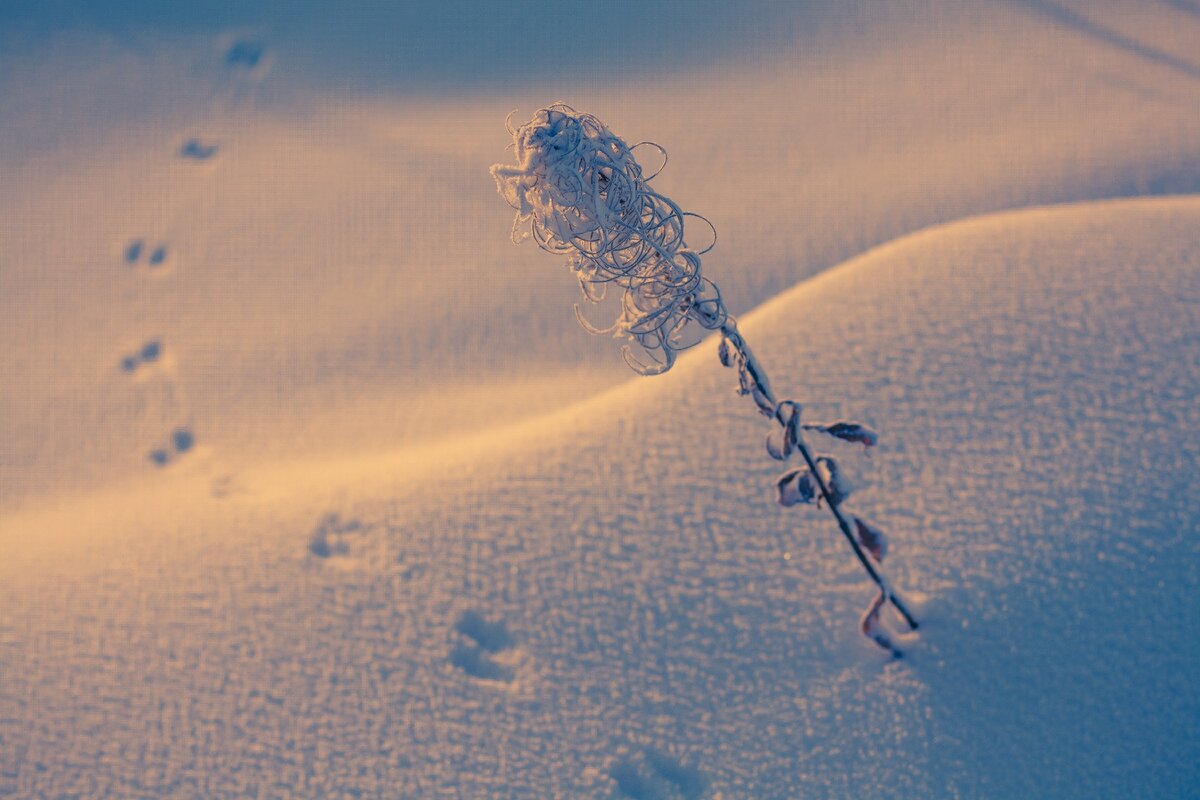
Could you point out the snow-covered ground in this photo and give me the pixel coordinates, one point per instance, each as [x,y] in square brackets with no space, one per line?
[415,534]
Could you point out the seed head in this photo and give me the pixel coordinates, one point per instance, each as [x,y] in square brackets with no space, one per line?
[579,191]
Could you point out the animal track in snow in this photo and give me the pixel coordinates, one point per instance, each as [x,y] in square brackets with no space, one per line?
[486,649]
[150,353]
[244,62]
[478,664]
[197,150]
[490,636]
[160,400]
[653,775]
[139,253]
[331,537]
[245,54]
[179,442]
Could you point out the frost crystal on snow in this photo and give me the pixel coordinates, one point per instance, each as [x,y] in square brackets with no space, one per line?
[579,191]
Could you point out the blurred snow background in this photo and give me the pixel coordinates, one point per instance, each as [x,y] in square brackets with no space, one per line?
[311,486]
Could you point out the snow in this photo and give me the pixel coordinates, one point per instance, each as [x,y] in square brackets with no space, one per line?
[416,535]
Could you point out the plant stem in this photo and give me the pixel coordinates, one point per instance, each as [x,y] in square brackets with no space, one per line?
[759,377]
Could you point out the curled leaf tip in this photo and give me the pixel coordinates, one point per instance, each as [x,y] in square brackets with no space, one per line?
[796,486]
[871,538]
[847,432]
[873,630]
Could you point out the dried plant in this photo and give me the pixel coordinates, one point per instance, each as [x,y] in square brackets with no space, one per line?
[579,191]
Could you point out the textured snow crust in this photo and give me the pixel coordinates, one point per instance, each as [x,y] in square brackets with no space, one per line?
[608,603]
[311,486]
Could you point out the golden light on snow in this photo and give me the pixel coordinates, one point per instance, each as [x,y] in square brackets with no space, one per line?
[311,485]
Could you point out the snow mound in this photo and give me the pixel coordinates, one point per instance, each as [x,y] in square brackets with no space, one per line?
[224,188]
[607,603]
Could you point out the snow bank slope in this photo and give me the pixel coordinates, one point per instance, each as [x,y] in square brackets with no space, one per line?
[322,261]
[608,604]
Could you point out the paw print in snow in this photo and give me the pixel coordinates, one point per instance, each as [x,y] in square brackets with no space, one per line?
[139,252]
[486,649]
[332,536]
[197,150]
[181,441]
[654,775]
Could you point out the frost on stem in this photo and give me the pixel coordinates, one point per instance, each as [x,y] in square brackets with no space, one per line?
[579,191]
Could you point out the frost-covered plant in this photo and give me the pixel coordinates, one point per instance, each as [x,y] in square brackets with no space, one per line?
[579,191]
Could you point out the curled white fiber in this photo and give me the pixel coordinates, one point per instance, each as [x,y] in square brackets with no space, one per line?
[579,191]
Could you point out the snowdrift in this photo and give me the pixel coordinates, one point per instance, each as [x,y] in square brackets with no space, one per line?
[291,206]
[605,602]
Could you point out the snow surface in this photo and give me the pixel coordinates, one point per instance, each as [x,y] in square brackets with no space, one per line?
[415,535]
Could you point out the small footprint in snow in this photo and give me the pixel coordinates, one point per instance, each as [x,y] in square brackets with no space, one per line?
[161,402]
[490,636]
[654,775]
[138,252]
[180,441]
[149,354]
[197,150]
[245,54]
[332,536]
[486,649]
[245,61]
